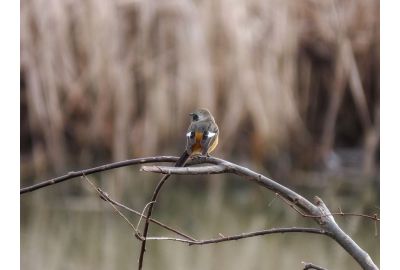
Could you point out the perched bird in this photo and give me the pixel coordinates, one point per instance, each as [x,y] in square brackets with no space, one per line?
[202,136]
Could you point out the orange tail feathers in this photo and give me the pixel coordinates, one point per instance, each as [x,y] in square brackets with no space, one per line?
[181,161]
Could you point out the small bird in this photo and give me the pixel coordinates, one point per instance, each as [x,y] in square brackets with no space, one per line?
[202,136]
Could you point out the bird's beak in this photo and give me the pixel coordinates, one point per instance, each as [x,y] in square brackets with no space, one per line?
[191,114]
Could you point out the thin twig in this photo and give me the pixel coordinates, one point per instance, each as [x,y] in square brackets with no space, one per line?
[271,202]
[317,210]
[341,213]
[101,193]
[107,197]
[243,235]
[146,225]
[142,214]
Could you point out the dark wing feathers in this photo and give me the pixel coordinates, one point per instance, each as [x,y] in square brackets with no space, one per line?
[210,133]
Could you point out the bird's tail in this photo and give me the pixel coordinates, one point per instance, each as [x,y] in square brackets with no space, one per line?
[181,161]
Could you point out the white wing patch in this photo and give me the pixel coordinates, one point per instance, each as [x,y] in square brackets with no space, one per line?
[211,134]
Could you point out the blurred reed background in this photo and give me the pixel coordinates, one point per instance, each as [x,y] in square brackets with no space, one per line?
[293,85]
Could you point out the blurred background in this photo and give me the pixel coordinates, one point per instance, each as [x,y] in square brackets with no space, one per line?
[293,86]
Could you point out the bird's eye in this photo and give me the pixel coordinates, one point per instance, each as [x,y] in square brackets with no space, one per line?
[195,117]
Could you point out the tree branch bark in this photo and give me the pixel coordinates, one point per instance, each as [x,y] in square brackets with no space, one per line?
[312,266]
[105,167]
[319,211]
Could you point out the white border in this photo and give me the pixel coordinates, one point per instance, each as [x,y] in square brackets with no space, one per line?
[390,135]
[9,140]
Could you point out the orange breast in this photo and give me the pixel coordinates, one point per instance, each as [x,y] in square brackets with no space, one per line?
[196,147]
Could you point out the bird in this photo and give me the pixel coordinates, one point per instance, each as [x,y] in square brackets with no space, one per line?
[201,136]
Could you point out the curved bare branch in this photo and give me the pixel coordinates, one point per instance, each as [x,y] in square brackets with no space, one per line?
[318,211]
[105,167]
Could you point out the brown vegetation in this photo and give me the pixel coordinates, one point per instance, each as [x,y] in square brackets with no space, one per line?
[109,80]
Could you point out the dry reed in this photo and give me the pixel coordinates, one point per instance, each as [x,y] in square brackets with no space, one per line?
[109,80]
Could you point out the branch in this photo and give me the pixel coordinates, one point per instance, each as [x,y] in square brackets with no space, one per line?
[243,235]
[105,167]
[342,238]
[192,241]
[311,266]
[318,211]
[222,168]
[100,192]
[373,217]
[210,169]
[106,197]
[228,167]
[146,225]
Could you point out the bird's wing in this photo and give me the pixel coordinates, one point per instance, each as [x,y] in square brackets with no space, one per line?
[210,136]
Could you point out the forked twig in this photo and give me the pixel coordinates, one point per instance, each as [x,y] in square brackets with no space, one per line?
[142,214]
[374,217]
[146,225]
[106,197]
[316,210]
[101,193]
